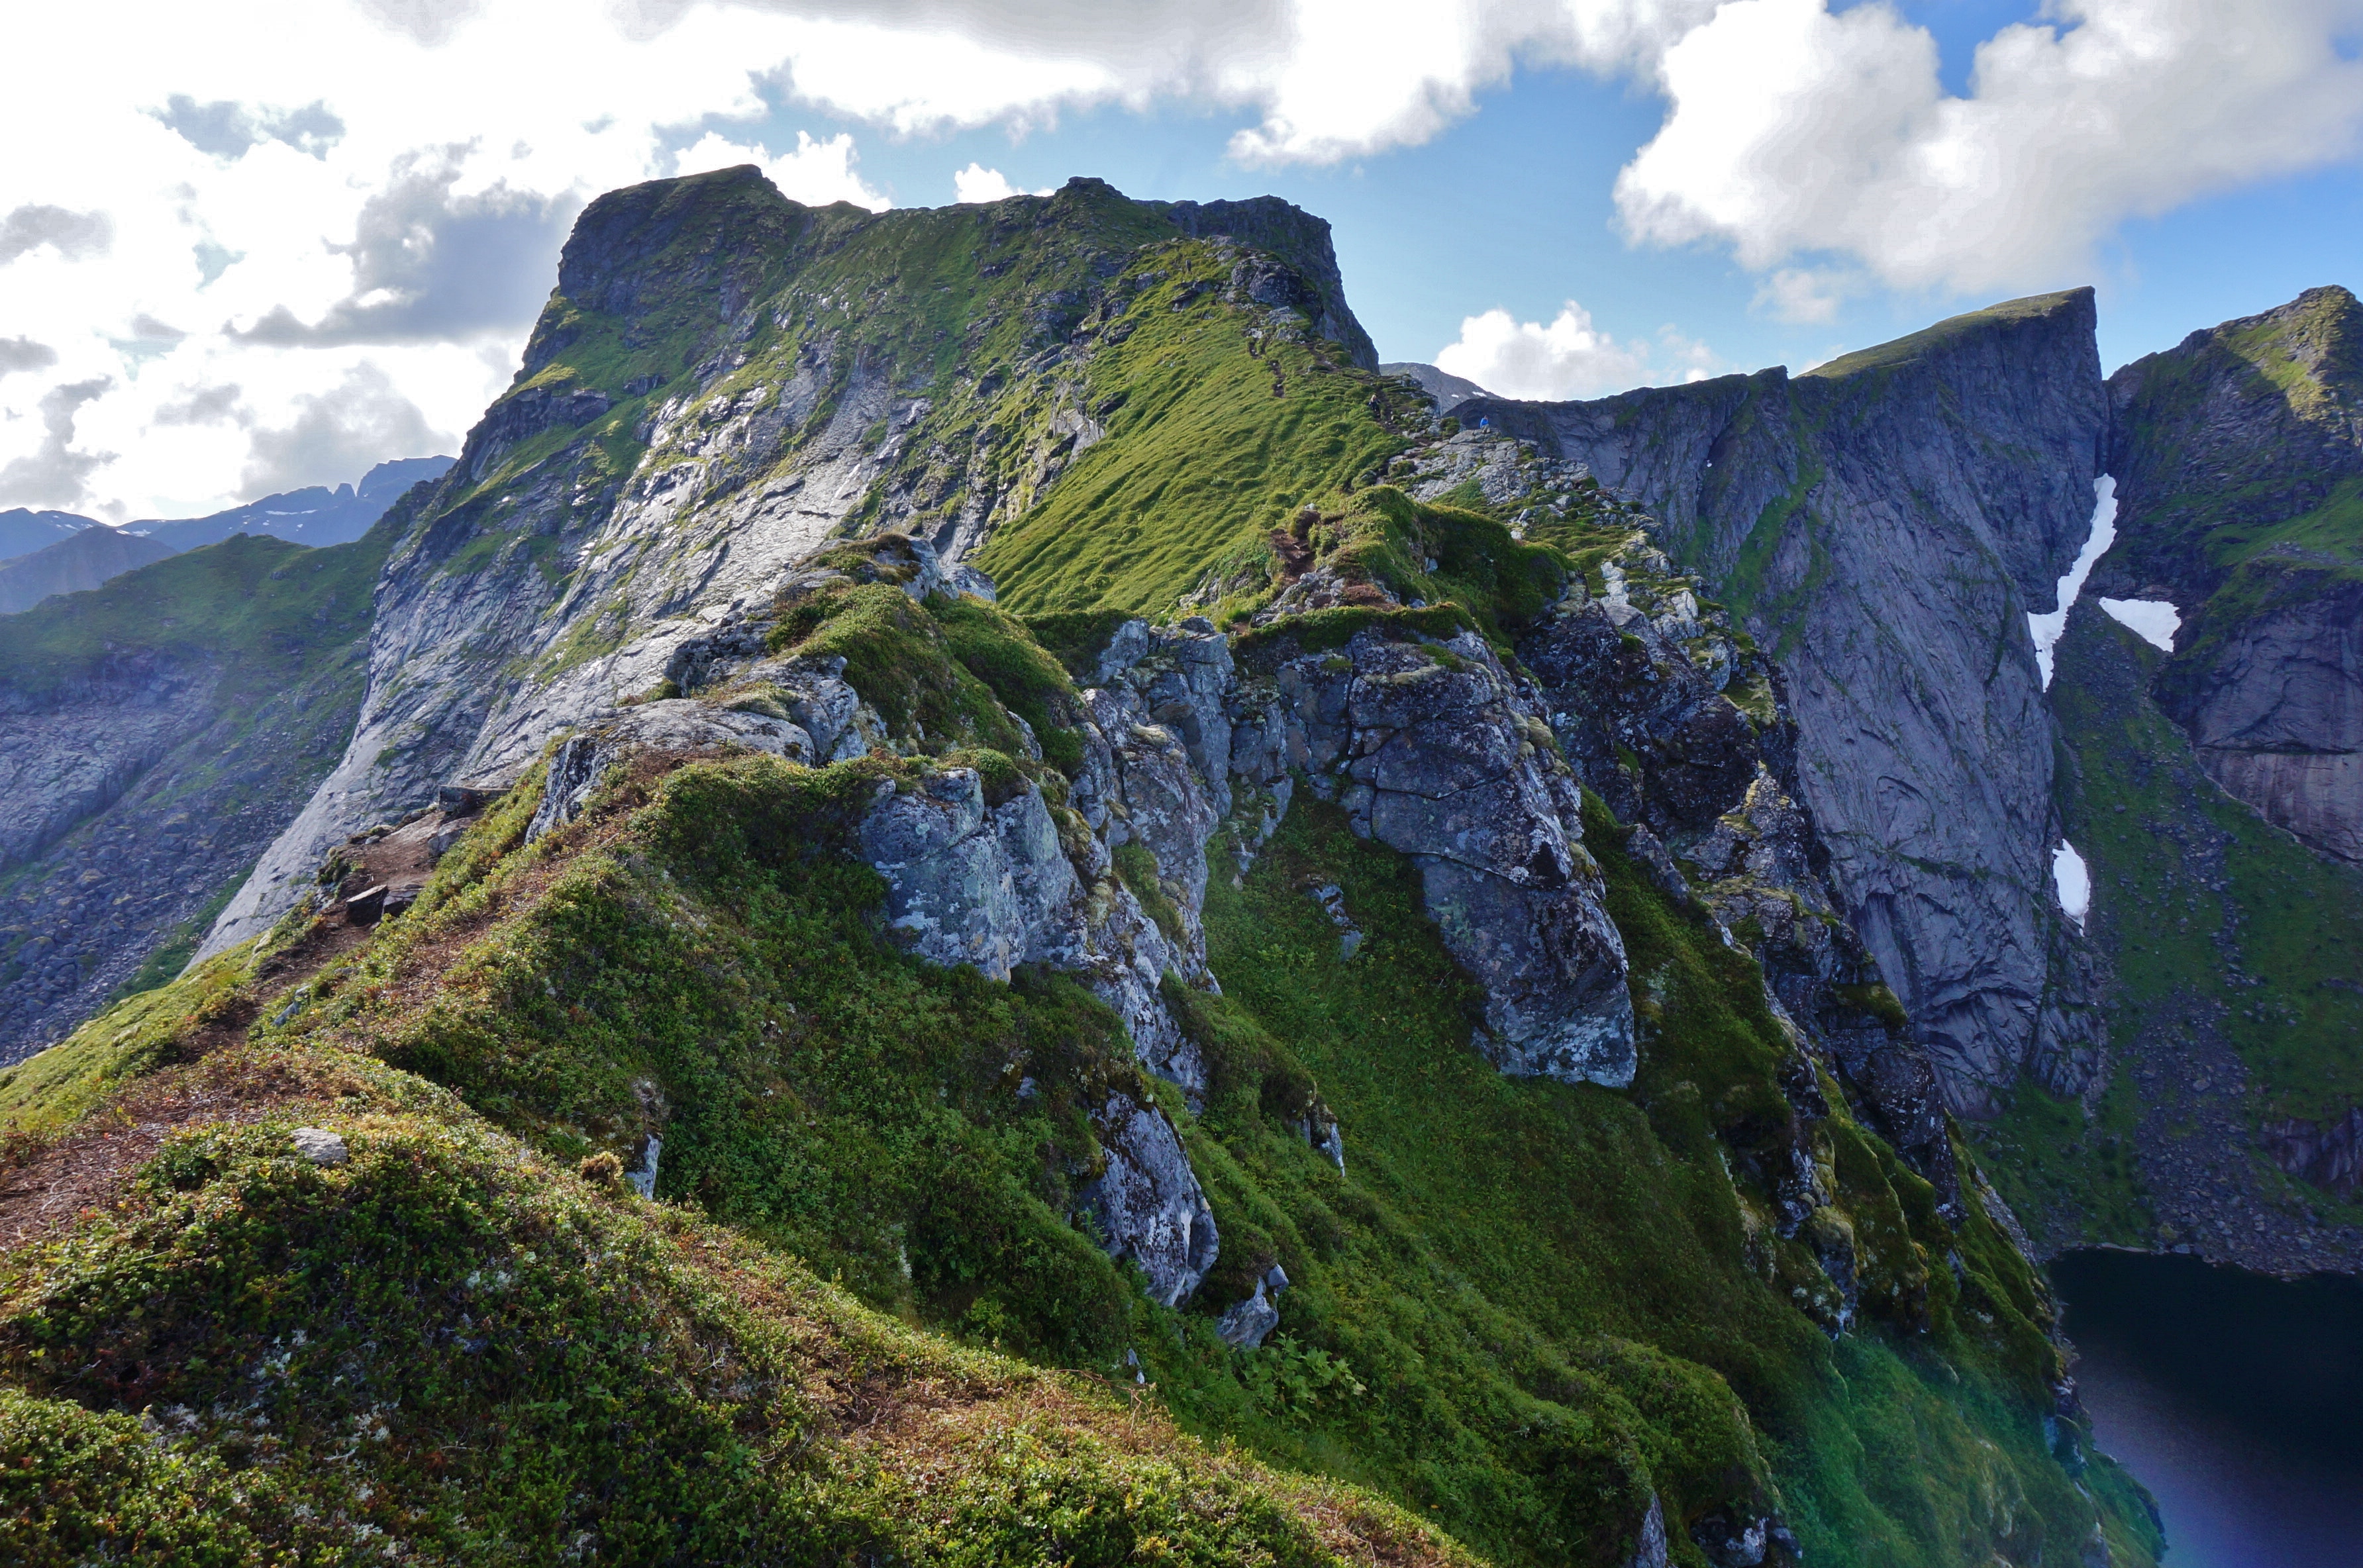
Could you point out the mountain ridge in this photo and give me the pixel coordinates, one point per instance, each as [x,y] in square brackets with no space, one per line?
[990,751]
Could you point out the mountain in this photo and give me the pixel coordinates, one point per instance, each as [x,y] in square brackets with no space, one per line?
[156,733]
[1196,961]
[75,563]
[1448,391]
[1884,525]
[316,515]
[23,532]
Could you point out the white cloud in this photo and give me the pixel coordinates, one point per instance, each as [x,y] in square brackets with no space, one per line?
[316,190]
[978,183]
[1567,356]
[1794,130]
[816,173]
[1805,295]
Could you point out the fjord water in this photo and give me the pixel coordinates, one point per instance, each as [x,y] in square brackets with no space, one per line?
[2236,1398]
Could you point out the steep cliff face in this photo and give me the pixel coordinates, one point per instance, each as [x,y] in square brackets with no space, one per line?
[2235,1022]
[1882,525]
[724,378]
[2239,463]
[155,736]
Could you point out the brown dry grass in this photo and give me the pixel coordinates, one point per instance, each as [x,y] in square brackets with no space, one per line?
[46,1186]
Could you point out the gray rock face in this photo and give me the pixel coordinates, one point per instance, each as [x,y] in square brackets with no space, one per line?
[968,882]
[1433,751]
[2329,1155]
[1247,1324]
[1649,1547]
[582,762]
[139,791]
[2274,708]
[1884,525]
[2224,447]
[1147,1202]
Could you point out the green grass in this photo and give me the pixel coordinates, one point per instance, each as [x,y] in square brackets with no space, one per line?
[1506,1259]
[2077,1171]
[52,1088]
[2290,919]
[253,606]
[1201,458]
[1919,345]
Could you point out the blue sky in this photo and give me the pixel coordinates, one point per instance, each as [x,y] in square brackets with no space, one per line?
[1511,208]
[267,243]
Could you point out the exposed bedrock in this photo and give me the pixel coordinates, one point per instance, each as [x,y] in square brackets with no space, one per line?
[1883,524]
[543,584]
[1433,751]
[2274,709]
[2239,459]
[1682,726]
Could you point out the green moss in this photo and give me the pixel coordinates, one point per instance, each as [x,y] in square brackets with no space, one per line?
[897,656]
[1076,638]
[1001,651]
[1137,866]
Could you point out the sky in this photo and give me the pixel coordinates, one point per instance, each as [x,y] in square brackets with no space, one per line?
[261,244]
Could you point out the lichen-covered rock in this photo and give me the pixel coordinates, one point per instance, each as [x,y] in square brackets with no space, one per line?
[1148,1203]
[968,882]
[584,759]
[1246,1324]
[1434,751]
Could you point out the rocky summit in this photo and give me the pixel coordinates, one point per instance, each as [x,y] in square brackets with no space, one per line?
[967,893]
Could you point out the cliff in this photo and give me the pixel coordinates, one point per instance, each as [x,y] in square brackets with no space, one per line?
[2239,459]
[724,379]
[1882,525]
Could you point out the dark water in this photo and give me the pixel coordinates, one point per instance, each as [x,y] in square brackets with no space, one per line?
[2235,1398]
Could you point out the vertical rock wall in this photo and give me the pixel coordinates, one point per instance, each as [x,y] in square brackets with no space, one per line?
[1882,525]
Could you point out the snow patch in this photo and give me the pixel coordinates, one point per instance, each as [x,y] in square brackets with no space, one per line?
[2153,620]
[2074,880]
[2045,629]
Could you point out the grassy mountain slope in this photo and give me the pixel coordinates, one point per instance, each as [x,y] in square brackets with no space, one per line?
[1519,1311]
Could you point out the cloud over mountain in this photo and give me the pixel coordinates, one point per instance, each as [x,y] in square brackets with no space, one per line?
[335,189]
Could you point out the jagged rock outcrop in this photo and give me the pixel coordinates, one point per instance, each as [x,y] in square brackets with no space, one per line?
[2327,1153]
[1429,747]
[1148,1204]
[1883,524]
[2275,710]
